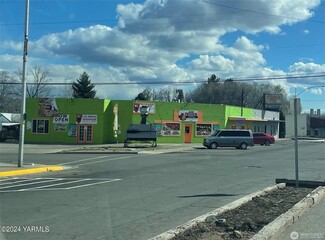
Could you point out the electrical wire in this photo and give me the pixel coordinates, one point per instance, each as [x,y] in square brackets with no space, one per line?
[250,79]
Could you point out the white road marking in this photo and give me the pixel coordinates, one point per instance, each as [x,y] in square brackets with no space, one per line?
[19,181]
[106,160]
[32,183]
[57,184]
[83,160]
[91,184]
[7,179]
[52,187]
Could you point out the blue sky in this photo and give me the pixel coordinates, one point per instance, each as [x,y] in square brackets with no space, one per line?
[170,40]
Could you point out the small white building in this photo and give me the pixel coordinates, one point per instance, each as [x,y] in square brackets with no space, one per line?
[301,125]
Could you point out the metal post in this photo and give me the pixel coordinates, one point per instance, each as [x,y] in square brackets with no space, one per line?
[23,98]
[295,112]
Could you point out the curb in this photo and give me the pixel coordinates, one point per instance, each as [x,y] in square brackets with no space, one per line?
[95,152]
[275,229]
[180,229]
[167,150]
[272,231]
[43,168]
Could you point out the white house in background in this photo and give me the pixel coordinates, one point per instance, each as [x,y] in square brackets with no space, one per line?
[270,125]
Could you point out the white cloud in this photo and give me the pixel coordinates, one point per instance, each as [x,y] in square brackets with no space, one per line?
[317,91]
[152,37]
[307,68]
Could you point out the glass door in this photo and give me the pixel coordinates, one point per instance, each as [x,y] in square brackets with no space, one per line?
[85,134]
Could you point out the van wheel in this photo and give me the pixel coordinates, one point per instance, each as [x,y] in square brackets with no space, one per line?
[214,145]
[267,143]
[243,146]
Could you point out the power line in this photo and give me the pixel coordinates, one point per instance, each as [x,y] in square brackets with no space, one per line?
[190,18]
[283,77]
[261,13]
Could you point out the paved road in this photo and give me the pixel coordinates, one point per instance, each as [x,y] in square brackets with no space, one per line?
[153,193]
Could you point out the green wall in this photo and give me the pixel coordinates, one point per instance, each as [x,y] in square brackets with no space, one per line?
[72,107]
[103,130]
[164,111]
[233,111]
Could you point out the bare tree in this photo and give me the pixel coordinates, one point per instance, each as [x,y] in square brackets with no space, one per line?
[39,87]
[8,100]
[67,89]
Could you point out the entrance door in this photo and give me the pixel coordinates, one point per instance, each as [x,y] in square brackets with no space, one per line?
[188,133]
[85,134]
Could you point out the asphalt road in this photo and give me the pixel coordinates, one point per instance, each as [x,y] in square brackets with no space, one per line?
[139,196]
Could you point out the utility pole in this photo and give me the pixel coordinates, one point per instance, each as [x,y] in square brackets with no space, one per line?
[23,98]
[295,125]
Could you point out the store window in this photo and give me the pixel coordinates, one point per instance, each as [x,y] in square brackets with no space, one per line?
[40,126]
[171,129]
[203,129]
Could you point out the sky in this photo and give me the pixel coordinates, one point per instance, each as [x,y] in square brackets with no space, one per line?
[148,42]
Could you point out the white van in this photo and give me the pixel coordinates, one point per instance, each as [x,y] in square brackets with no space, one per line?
[239,139]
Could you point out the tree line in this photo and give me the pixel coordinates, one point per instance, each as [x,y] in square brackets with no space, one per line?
[213,91]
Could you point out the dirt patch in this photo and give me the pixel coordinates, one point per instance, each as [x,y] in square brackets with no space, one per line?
[248,219]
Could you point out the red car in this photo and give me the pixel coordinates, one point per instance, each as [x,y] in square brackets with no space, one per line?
[263,139]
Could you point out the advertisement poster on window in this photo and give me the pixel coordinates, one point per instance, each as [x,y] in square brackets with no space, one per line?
[59,127]
[72,130]
[188,115]
[150,107]
[158,127]
[203,129]
[86,119]
[171,129]
[48,107]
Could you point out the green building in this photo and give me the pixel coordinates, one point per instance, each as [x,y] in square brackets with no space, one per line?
[101,121]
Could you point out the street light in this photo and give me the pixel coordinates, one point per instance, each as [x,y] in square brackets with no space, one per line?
[296,130]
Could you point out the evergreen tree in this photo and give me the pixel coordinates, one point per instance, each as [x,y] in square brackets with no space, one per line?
[83,88]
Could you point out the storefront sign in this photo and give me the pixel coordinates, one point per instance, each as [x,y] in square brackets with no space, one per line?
[188,115]
[150,107]
[62,119]
[86,119]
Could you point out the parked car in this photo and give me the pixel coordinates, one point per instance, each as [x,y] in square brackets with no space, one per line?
[239,139]
[9,131]
[263,139]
